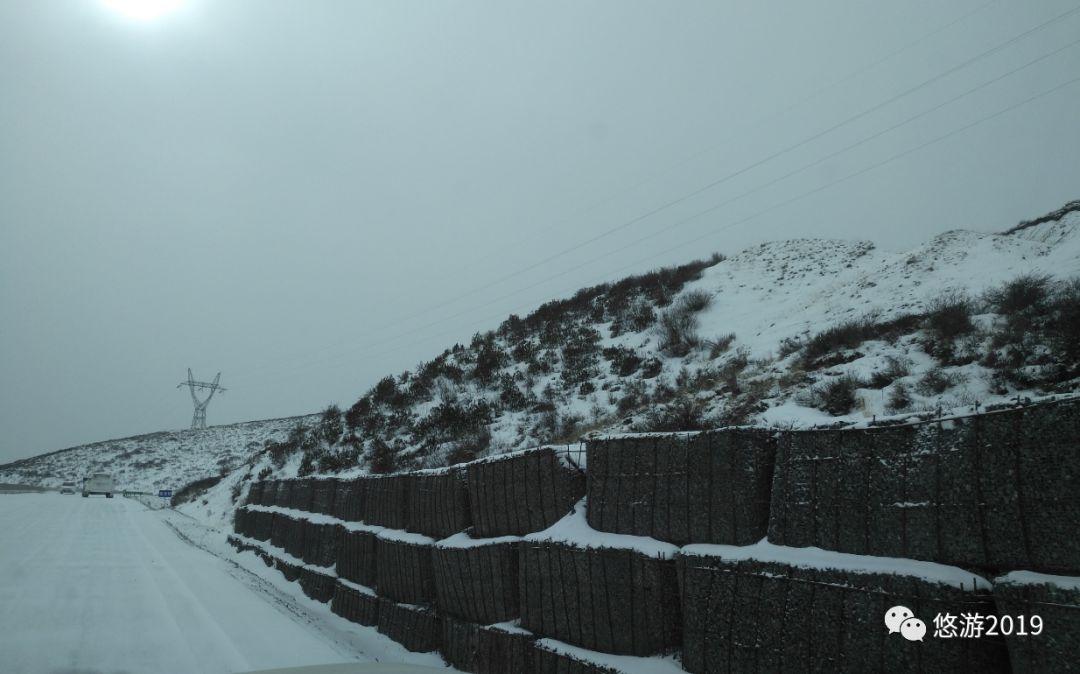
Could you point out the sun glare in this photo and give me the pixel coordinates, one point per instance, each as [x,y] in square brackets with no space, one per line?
[143,10]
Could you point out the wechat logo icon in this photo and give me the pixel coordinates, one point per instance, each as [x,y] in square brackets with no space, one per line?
[901,619]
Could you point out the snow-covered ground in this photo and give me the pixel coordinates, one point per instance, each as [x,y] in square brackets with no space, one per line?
[110,585]
[164,460]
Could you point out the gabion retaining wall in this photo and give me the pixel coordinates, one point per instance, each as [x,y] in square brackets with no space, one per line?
[356,606]
[403,571]
[994,491]
[288,569]
[548,661]
[387,500]
[438,504]
[262,525]
[301,491]
[1057,647]
[255,492]
[708,487]
[271,495]
[321,544]
[324,493]
[521,494]
[318,586]
[751,616]
[356,557]
[478,584]
[499,651]
[459,643]
[414,627]
[350,499]
[293,531]
[604,599]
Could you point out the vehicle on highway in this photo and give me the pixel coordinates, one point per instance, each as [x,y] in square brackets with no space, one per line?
[98,483]
[67,488]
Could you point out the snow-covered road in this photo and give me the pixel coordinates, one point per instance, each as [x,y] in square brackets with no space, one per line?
[105,585]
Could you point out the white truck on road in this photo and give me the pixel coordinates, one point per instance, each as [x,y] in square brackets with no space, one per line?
[98,483]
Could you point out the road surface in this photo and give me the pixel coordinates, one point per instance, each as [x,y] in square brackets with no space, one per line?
[105,585]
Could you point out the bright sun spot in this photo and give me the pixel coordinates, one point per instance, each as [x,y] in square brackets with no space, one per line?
[143,10]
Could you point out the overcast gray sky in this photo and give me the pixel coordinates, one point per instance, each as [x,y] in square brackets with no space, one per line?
[306,195]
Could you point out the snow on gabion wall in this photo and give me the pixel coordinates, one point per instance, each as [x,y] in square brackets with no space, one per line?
[324,492]
[356,557]
[500,650]
[996,491]
[551,661]
[708,487]
[403,571]
[752,616]
[478,583]
[521,493]
[350,499]
[354,605]
[1057,647]
[438,504]
[414,627]
[605,599]
[321,543]
[317,586]
[387,500]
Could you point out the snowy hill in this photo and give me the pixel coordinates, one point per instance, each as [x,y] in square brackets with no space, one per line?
[790,333]
[164,460]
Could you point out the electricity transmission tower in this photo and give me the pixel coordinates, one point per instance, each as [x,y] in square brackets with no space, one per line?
[199,419]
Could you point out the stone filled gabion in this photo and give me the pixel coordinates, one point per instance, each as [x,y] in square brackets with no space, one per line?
[242,523]
[403,571]
[279,526]
[255,492]
[414,627]
[321,543]
[263,525]
[300,494]
[499,650]
[349,500]
[710,487]
[288,569]
[352,604]
[387,500]
[324,492]
[438,504]
[549,661]
[478,583]
[315,585]
[1057,647]
[605,599]
[522,493]
[293,530]
[993,491]
[277,494]
[356,557]
[459,643]
[752,616]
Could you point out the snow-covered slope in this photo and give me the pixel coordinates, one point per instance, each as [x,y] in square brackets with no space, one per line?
[790,333]
[164,460]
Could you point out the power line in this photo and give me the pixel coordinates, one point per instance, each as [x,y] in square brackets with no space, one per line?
[777,206]
[759,123]
[715,207]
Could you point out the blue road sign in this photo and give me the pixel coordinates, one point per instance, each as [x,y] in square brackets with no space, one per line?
[165,493]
